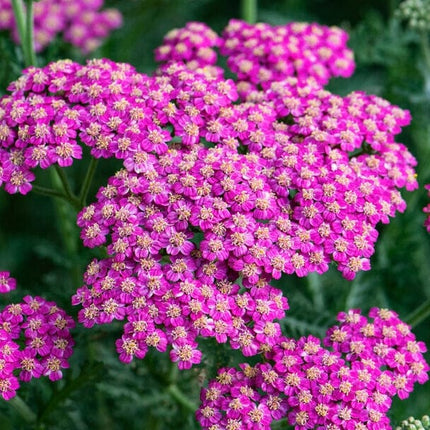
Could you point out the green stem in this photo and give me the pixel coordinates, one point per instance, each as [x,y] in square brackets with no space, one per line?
[426,48]
[29,40]
[176,393]
[249,11]
[316,289]
[23,409]
[59,179]
[173,374]
[44,191]
[18,11]
[419,315]
[24,23]
[66,221]
[87,181]
[89,374]
[64,181]
[181,398]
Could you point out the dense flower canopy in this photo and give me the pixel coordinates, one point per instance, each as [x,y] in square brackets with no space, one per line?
[81,22]
[330,166]
[346,384]
[261,54]
[194,45]
[35,341]
[225,186]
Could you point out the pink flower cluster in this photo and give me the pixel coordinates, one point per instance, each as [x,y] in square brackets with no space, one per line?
[261,54]
[193,45]
[178,243]
[6,282]
[302,137]
[105,105]
[35,341]
[346,384]
[217,196]
[298,48]
[52,109]
[81,22]
[340,157]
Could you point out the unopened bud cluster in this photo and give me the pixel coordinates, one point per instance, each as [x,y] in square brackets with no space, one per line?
[416,13]
[415,424]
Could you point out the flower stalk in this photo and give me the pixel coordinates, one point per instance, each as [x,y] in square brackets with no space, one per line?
[180,397]
[18,11]
[425,47]
[249,11]
[29,32]
[23,409]
[175,392]
[45,191]
[25,26]
[61,188]
[420,314]
[87,181]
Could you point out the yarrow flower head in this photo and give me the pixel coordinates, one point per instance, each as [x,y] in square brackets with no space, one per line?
[80,22]
[35,341]
[199,219]
[215,193]
[348,386]
[335,170]
[107,106]
[193,45]
[178,244]
[335,158]
[261,53]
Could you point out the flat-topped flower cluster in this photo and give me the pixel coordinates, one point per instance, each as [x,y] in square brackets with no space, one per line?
[35,341]
[80,22]
[346,383]
[261,54]
[216,189]
[330,164]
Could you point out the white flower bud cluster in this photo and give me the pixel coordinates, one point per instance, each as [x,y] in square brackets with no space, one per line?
[416,12]
[415,424]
